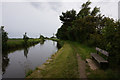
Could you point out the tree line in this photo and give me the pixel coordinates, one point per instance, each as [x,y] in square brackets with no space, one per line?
[92,28]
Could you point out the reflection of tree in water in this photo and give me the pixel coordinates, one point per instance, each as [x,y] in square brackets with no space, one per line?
[58,45]
[26,51]
[5,61]
[42,42]
[54,43]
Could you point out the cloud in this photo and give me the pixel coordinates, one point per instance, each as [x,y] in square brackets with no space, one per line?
[62,6]
[55,6]
[36,5]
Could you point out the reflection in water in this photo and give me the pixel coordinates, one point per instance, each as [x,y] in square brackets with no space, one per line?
[20,61]
[5,62]
[26,51]
[42,42]
[58,45]
[53,43]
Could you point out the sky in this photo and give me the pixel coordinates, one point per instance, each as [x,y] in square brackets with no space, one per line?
[42,17]
[119,10]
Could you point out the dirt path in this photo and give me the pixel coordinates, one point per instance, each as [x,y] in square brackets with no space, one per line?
[81,67]
[81,64]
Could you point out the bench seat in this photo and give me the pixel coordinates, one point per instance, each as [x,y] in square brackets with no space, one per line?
[98,58]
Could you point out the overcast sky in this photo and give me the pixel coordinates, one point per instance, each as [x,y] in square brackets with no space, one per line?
[42,17]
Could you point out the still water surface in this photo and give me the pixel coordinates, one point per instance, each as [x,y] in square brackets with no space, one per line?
[17,63]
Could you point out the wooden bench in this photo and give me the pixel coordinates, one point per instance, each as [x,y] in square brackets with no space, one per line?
[103,63]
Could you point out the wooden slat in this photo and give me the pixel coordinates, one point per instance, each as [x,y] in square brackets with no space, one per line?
[98,58]
[102,51]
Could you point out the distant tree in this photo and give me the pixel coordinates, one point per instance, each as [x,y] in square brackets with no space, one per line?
[41,36]
[53,36]
[4,37]
[25,37]
[42,39]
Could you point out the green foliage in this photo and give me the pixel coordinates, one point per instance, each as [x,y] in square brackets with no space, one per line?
[82,24]
[85,11]
[95,11]
[4,37]
[68,16]
[90,27]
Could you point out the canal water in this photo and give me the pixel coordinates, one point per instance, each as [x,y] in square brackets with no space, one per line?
[16,64]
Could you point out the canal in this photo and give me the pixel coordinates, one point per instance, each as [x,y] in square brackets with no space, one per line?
[16,64]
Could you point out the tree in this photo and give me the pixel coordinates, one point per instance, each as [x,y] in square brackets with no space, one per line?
[25,38]
[4,37]
[68,16]
[85,11]
[92,28]
[41,36]
[111,35]
[95,11]
[41,39]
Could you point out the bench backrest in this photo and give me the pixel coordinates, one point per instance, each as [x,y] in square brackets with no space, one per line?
[102,51]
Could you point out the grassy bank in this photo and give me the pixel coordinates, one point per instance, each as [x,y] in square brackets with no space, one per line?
[63,64]
[83,50]
[53,39]
[14,44]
